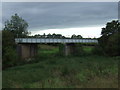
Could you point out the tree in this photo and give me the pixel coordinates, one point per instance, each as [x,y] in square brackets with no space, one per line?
[76,36]
[53,35]
[113,43]
[111,28]
[49,36]
[17,26]
[44,36]
[79,36]
[110,39]
[73,36]
[7,38]
[13,28]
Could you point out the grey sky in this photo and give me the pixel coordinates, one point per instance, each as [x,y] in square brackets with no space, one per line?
[60,0]
[51,15]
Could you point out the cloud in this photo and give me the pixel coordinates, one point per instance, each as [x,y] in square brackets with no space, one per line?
[62,15]
[61,0]
[85,32]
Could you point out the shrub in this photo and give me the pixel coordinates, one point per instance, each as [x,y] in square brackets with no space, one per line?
[61,48]
[97,50]
[9,57]
[78,50]
[112,48]
[110,39]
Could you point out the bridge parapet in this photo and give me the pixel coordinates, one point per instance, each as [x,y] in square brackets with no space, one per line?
[53,40]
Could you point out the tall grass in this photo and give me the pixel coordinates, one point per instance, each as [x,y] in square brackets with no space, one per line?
[52,71]
[67,72]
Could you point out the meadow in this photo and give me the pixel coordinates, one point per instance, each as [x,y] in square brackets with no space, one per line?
[53,71]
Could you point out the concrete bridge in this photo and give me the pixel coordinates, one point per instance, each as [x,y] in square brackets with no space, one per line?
[27,47]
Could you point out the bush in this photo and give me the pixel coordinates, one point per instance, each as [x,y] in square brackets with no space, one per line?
[112,48]
[97,50]
[111,44]
[61,48]
[78,50]
[110,39]
[9,57]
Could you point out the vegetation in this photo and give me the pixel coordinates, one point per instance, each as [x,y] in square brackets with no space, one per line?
[53,71]
[76,36]
[17,26]
[87,66]
[56,36]
[64,72]
[110,39]
[13,28]
[49,36]
[9,56]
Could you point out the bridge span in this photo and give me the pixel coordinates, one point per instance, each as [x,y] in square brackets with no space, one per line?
[28,47]
[54,40]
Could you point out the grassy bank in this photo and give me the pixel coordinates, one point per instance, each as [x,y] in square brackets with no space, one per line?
[68,72]
[52,71]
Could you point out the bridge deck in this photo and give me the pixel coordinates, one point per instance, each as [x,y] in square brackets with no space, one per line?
[53,40]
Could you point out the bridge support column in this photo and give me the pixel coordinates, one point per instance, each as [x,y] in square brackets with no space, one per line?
[26,51]
[68,49]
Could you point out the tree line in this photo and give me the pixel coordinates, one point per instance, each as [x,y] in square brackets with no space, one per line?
[17,27]
[56,36]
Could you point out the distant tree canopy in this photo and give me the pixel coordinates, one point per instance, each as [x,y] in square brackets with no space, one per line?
[56,36]
[110,39]
[17,26]
[76,36]
[49,36]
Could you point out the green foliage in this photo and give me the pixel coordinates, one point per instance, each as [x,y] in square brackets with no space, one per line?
[75,50]
[9,57]
[111,28]
[57,36]
[76,36]
[61,49]
[81,77]
[64,72]
[7,38]
[17,26]
[14,27]
[112,47]
[97,50]
[88,49]
[110,39]
[78,51]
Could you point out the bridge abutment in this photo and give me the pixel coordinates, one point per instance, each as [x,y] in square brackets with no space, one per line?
[26,51]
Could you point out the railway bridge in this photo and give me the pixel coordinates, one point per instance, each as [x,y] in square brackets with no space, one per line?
[28,47]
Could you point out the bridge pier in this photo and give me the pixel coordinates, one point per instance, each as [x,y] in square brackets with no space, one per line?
[26,51]
[68,49]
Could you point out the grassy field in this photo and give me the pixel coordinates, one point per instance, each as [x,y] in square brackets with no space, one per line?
[48,49]
[64,72]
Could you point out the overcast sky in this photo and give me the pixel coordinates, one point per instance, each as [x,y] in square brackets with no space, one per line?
[84,18]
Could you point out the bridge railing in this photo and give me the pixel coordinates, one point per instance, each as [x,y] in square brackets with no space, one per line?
[53,40]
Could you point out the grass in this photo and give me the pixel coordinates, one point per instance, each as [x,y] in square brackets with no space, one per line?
[64,72]
[48,50]
[88,49]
